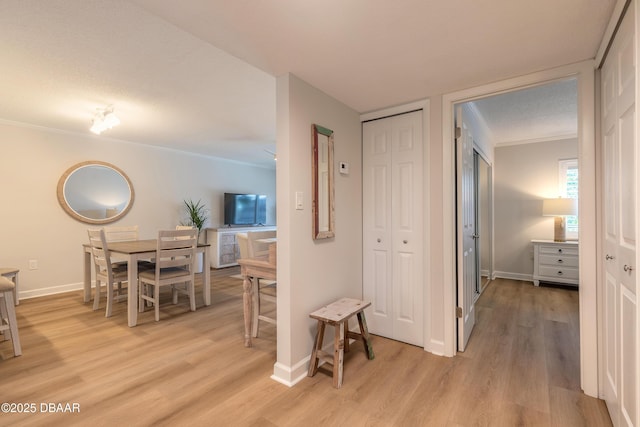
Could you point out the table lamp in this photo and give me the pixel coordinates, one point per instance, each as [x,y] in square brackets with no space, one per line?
[559,208]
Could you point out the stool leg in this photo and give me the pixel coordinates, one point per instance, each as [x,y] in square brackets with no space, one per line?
[13,322]
[338,355]
[16,295]
[346,336]
[366,339]
[317,345]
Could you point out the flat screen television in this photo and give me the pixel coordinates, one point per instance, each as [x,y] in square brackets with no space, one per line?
[245,209]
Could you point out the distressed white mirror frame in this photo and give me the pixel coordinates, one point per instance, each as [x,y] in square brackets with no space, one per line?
[322,183]
[95,192]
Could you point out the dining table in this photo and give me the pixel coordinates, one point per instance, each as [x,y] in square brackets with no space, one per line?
[134,251]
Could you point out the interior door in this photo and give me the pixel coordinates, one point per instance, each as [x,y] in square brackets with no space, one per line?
[620,234]
[466,217]
[393,227]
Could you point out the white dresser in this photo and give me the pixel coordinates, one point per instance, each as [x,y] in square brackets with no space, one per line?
[224,245]
[555,262]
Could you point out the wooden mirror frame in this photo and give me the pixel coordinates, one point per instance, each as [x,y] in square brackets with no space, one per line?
[62,199]
[322,183]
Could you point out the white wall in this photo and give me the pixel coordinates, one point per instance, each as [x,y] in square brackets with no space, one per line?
[313,273]
[34,226]
[524,176]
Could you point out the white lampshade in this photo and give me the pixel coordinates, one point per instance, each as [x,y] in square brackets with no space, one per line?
[559,207]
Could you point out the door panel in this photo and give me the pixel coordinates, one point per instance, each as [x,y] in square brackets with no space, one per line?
[392,226]
[467,260]
[619,128]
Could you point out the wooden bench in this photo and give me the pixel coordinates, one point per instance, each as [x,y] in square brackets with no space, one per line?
[338,314]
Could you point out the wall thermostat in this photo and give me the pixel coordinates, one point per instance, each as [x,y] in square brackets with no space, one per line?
[344,168]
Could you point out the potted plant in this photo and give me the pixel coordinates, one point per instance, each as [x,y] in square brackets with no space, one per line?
[197,215]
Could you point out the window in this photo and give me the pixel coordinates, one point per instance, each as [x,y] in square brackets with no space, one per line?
[568,187]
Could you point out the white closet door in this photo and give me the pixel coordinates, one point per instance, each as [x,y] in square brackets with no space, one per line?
[619,174]
[393,226]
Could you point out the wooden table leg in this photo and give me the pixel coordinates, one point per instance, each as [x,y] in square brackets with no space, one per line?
[338,355]
[248,303]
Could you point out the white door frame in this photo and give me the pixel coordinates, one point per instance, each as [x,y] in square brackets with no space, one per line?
[584,72]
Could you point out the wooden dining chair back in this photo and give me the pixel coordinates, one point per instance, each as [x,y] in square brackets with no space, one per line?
[264,290]
[174,266]
[243,244]
[259,249]
[121,233]
[107,271]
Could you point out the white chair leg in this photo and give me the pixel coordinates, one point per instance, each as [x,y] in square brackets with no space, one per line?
[156,301]
[192,295]
[109,309]
[96,299]
[3,316]
[13,322]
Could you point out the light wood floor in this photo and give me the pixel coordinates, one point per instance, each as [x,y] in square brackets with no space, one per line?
[521,368]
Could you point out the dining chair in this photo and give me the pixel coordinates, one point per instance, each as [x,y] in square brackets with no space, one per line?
[174,266]
[265,289]
[106,270]
[11,273]
[256,247]
[8,320]
[121,233]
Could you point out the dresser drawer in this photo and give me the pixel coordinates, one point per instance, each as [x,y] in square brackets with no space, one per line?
[558,272]
[558,260]
[562,250]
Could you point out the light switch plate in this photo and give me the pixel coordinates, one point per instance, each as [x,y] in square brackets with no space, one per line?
[299,201]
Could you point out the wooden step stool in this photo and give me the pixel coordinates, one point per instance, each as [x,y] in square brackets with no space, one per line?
[338,315]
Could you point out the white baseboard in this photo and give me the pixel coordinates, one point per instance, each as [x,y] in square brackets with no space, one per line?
[291,375]
[26,294]
[514,276]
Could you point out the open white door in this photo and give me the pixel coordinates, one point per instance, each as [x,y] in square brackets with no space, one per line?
[466,217]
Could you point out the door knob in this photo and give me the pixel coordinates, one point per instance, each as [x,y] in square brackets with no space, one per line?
[608,257]
[627,268]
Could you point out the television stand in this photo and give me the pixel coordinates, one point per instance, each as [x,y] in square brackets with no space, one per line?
[224,244]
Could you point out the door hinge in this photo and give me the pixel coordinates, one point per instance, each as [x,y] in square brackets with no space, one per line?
[458,132]
[459,312]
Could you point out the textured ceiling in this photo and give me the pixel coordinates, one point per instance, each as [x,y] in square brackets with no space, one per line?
[541,113]
[164,65]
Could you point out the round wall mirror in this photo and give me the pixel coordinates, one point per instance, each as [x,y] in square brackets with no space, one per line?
[95,192]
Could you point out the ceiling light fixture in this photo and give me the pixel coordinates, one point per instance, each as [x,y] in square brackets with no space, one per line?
[104,119]
[272,153]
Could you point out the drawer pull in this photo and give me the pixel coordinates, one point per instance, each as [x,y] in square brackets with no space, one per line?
[608,257]
[405,241]
[627,268]
[559,251]
[379,240]
[560,261]
[559,273]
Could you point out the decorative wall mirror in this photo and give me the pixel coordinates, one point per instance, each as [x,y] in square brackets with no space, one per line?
[322,177]
[95,192]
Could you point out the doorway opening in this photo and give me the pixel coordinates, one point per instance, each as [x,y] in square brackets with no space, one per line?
[585,77]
